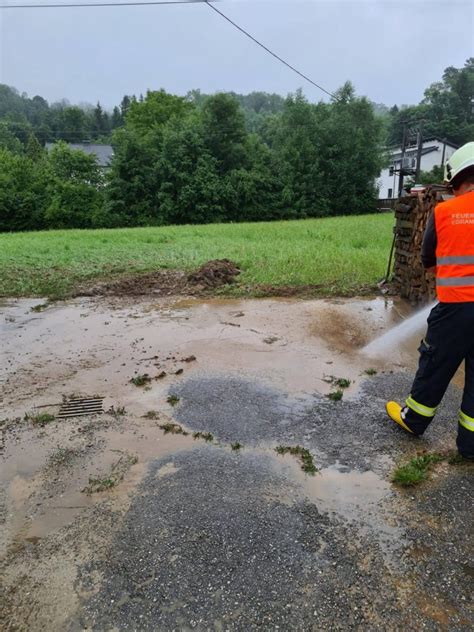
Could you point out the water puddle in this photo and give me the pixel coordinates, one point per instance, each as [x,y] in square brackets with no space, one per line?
[94,347]
[359,498]
[42,497]
[337,488]
[345,491]
[89,347]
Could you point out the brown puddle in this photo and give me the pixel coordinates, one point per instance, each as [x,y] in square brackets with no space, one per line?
[90,347]
[43,496]
[336,488]
[95,346]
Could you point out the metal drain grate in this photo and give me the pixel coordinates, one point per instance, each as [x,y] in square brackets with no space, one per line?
[80,407]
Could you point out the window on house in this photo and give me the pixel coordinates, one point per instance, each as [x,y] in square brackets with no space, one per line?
[390,171]
[390,191]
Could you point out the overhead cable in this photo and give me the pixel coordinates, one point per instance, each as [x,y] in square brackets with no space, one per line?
[256,41]
[101,4]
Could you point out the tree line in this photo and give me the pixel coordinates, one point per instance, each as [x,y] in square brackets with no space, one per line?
[22,117]
[194,160]
[209,158]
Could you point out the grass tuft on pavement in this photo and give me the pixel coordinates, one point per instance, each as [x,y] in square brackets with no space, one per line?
[141,380]
[416,470]
[336,395]
[39,419]
[305,456]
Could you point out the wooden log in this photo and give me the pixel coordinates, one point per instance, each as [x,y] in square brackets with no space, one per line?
[412,215]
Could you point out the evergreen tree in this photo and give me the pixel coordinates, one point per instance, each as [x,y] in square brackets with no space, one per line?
[33,149]
[117,118]
[224,132]
[124,105]
[297,144]
[100,125]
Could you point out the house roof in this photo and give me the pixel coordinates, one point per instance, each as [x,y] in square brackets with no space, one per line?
[411,152]
[440,140]
[103,153]
[396,151]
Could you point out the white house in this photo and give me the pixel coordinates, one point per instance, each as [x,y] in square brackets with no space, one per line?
[432,154]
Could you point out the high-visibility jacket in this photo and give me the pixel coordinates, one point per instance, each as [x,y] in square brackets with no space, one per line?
[454,221]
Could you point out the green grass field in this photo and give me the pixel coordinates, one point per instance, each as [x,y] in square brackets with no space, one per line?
[344,254]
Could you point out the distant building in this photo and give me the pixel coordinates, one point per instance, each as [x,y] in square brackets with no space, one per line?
[432,154]
[103,153]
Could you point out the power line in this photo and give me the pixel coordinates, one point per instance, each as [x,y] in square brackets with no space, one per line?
[101,4]
[247,34]
[170,2]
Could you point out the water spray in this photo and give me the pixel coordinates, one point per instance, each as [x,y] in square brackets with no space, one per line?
[394,337]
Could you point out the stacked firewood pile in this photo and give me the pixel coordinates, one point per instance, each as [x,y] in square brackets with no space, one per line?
[411,214]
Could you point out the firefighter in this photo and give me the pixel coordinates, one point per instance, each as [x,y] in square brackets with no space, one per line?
[448,251]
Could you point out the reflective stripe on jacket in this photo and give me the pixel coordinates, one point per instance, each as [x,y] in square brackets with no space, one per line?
[454,222]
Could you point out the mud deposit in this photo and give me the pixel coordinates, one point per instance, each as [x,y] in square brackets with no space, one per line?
[172,510]
[211,275]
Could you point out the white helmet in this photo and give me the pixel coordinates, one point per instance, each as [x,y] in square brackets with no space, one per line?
[460,160]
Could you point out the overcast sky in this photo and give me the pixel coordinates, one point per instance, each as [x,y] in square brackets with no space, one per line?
[391,50]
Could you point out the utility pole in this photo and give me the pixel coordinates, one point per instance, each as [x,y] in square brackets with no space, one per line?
[444,152]
[402,158]
[418,153]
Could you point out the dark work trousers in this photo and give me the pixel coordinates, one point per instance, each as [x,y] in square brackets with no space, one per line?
[449,341]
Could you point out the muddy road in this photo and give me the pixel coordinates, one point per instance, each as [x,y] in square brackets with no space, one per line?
[173,509]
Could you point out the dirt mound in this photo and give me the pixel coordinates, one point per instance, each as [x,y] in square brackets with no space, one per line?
[211,275]
[215,273]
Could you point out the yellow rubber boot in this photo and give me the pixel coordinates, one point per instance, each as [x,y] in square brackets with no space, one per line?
[394,411]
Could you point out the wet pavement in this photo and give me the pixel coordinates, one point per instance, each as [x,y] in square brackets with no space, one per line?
[196,534]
